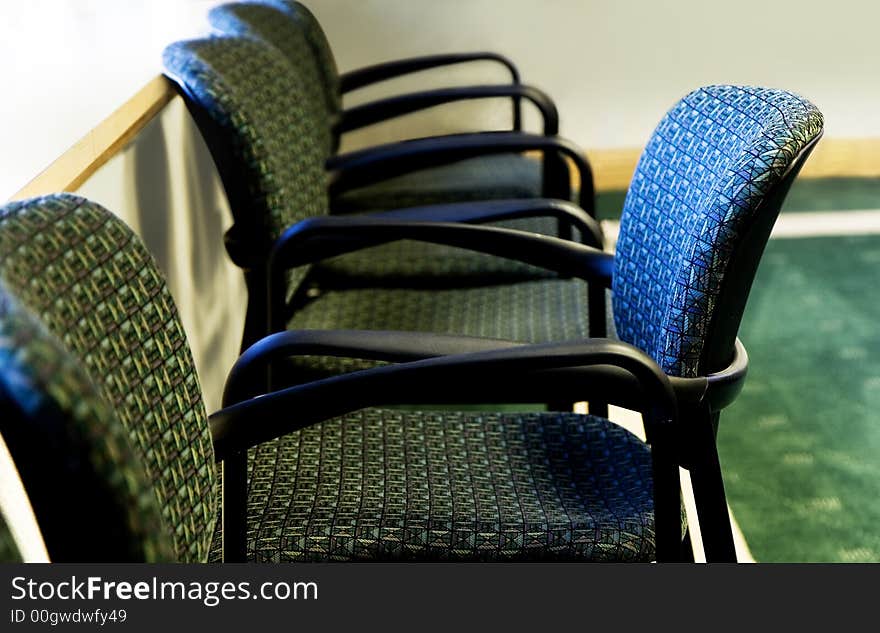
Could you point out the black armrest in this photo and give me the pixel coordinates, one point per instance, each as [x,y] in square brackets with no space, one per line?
[383,109]
[499,210]
[315,239]
[367,75]
[247,376]
[363,167]
[446,379]
[246,379]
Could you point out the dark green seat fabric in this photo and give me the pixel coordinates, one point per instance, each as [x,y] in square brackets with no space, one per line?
[539,311]
[503,176]
[293,30]
[395,485]
[419,265]
[91,342]
[270,146]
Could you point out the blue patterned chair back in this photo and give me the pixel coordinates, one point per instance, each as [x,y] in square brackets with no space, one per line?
[703,198]
[95,366]
[265,139]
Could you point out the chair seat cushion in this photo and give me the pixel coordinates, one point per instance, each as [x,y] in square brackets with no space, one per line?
[532,311]
[481,178]
[422,264]
[449,486]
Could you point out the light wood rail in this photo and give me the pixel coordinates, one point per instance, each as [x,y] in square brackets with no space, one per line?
[612,167]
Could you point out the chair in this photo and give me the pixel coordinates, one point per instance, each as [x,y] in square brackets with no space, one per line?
[697,215]
[102,414]
[94,351]
[293,29]
[250,106]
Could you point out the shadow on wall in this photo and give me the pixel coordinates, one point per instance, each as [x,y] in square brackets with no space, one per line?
[165,186]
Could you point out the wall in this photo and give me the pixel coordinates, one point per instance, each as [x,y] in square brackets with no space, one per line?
[614,66]
[67,64]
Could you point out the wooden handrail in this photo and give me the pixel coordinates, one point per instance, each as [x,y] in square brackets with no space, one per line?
[613,168]
[76,165]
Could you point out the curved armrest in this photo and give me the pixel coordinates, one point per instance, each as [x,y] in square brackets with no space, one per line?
[315,239]
[498,210]
[451,378]
[359,168]
[367,75]
[246,379]
[383,109]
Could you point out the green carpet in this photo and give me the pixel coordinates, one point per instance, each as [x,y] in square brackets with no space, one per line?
[800,448]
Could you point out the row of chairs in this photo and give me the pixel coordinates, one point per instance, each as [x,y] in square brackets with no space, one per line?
[478,294]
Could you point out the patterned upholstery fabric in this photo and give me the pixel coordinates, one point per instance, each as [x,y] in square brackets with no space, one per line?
[696,189]
[483,178]
[263,22]
[534,311]
[394,485]
[419,264]
[317,40]
[84,477]
[537,311]
[277,145]
[85,275]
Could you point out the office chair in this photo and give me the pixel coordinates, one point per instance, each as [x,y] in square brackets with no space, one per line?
[697,215]
[103,416]
[249,105]
[325,475]
[291,27]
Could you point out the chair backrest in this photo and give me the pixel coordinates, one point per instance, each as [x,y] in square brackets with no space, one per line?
[279,29]
[94,362]
[698,213]
[268,146]
[317,39]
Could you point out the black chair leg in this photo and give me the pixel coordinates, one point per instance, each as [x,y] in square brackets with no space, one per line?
[709,496]
[667,503]
[234,511]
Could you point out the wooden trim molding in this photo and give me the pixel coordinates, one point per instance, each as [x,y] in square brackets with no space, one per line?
[612,168]
[832,158]
[70,170]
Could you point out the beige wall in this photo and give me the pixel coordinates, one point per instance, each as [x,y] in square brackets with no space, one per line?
[614,66]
